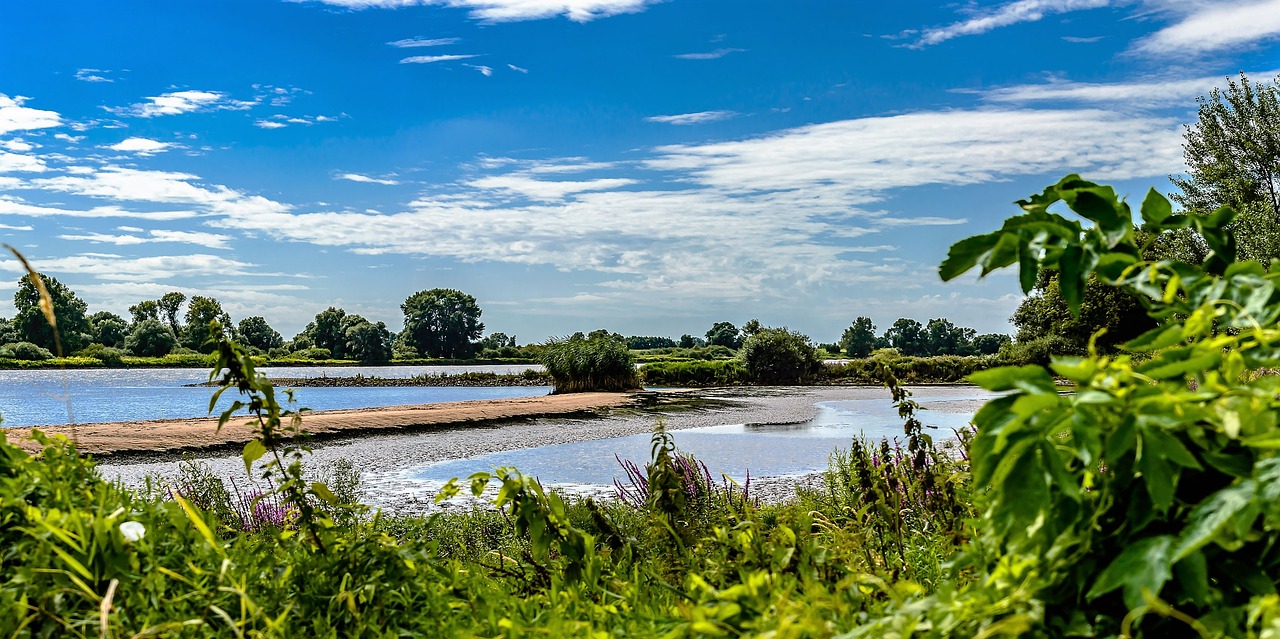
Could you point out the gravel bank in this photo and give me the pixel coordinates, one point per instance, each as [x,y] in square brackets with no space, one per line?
[388,461]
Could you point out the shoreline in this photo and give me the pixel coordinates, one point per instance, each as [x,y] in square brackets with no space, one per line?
[172,438]
[390,459]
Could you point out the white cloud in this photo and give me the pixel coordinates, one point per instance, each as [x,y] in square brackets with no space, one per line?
[93,75]
[108,266]
[209,240]
[15,117]
[410,43]
[179,102]
[1005,15]
[485,71]
[512,10]
[709,55]
[517,69]
[10,227]
[14,206]
[356,177]
[17,162]
[141,146]
[702,117]
[428,59]
[269,124]
[17,145]
[544,190]
[1216,26]
[1082,40]
[1172,91]
[69,139]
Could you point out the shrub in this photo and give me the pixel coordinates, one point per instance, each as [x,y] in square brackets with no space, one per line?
[780,356]
[578,365]
[108,355]
[25,351]
[941,369]
[713,373]
[150,338]
[1038,351]
[313,353]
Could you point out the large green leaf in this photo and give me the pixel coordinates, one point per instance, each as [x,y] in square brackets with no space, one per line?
[1143,566]
[965,254]
[1213,515]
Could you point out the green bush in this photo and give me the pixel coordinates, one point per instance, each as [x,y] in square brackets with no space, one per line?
[941,369]
[779,356]
[25,351]
[1039,351]
[106,354]
[713,373]
[313,353]
[600,364]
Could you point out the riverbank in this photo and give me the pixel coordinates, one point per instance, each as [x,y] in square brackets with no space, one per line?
[172,438]
[390,460]
[458,380]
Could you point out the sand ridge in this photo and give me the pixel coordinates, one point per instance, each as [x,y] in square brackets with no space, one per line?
[155,436]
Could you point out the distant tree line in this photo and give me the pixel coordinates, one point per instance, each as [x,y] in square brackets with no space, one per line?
[910,337]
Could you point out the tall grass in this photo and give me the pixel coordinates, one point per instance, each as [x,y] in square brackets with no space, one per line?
[583,365]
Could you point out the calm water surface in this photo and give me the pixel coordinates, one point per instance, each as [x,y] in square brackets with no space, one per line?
[36,398]
[732,449]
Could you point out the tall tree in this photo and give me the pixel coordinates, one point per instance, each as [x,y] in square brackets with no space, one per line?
[1232,154]
[368,342]
[70,311]
[328,330]
[860,338]
[150,338]
[170,305]
[908,336]
[724,334]
[442,322]
[145,310]
[255,332]
[200,312]
[944,338]
[109,329]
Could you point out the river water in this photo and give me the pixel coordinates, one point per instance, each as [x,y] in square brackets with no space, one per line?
[39,397]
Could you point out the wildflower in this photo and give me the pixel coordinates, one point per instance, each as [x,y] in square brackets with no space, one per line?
[132,531]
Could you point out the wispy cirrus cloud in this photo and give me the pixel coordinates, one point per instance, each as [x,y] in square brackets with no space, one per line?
[93,75]
[1011,13]
[484,70]
[429,59]
[215,241]
[709,55]
[510,10]
[411,43]
[1213,26]
[15,117]
[280,120]
[1162,91]
[358,177]
[701,117]
[180,102]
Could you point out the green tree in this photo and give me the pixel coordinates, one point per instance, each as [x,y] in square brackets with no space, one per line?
[169,305]
[442,322]
[368,342]
[255,332]
[328,330]
[944,338]
[498,340]
[724,334]
[200,312]
[860,338]
[990,343]
[908,336]
[30,324]
[780,356]
[8,333]
[144,310]
[108,328]
[150,338]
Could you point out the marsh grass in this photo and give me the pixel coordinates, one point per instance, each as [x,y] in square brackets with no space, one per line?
[583,365]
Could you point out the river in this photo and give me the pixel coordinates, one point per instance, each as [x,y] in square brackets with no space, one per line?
[39,397]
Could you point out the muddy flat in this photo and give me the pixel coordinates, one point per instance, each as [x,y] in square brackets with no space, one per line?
[159,436]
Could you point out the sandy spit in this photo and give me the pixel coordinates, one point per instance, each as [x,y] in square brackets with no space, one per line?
[190,435]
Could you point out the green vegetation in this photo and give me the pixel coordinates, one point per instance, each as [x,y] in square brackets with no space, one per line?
[579,364]
[442,322]
[706,373]
[780,356]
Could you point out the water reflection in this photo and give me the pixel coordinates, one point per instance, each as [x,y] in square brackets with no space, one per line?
[732,449]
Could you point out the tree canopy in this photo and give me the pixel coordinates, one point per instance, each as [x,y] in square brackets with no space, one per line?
[30,324]
[442,322]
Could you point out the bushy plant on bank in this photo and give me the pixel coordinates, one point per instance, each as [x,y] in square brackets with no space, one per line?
[578,364]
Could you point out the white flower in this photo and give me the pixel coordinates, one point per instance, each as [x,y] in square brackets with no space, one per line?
[132,530]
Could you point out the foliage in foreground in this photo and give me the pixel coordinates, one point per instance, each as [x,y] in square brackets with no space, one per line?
[81,557]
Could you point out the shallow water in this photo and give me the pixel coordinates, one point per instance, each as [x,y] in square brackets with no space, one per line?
[37,398]
[734,449]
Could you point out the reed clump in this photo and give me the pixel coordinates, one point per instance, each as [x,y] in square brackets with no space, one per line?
[579,365]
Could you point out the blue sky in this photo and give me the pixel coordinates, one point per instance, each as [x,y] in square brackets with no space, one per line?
[647,167]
